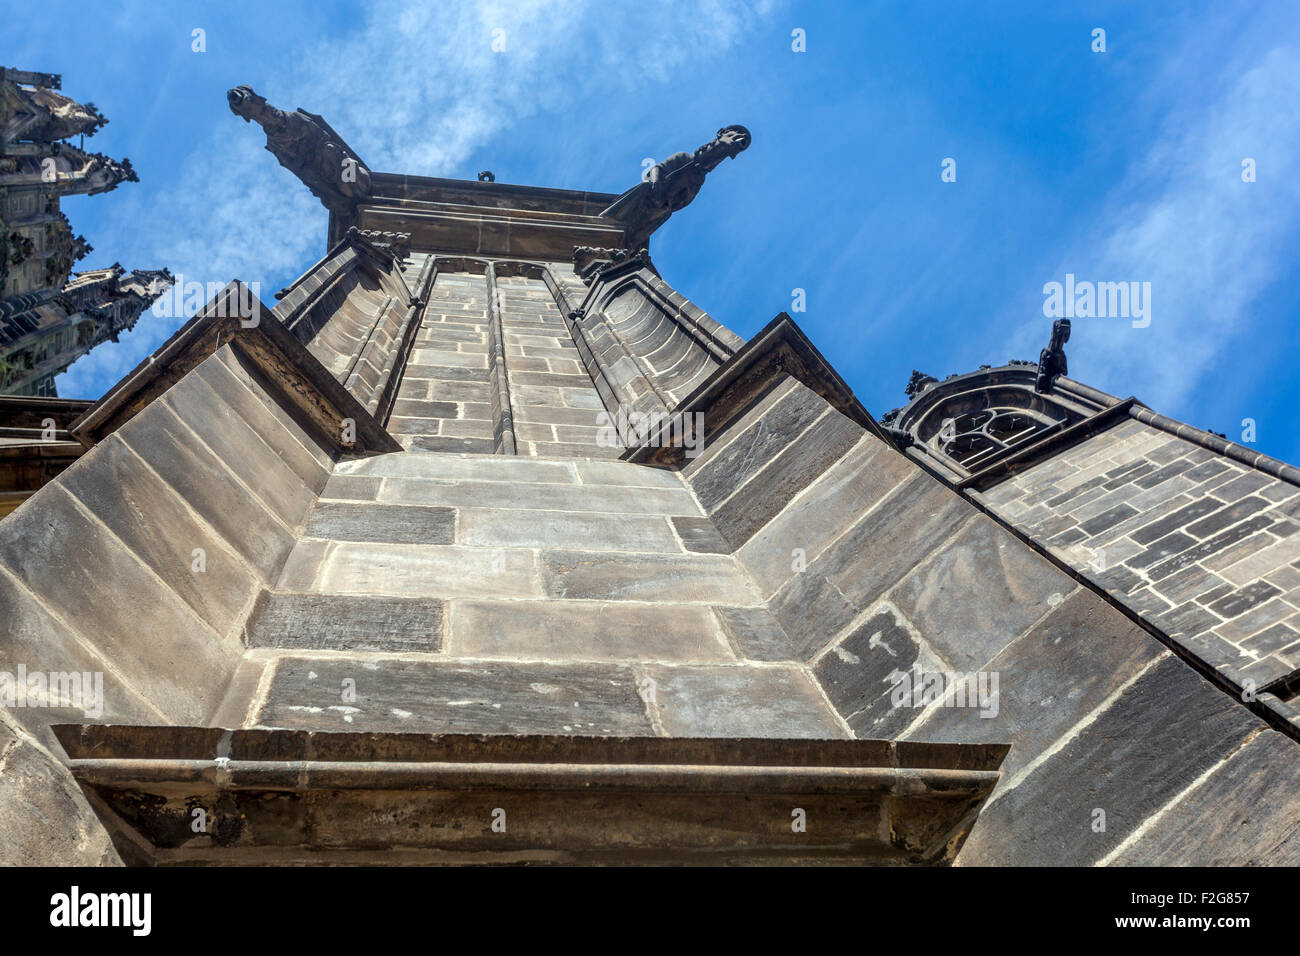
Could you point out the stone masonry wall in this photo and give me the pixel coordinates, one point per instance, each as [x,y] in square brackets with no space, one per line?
[1204,547]
[99,573]
[872,568]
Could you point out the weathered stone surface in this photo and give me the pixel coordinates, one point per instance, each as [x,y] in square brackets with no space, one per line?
[1159,735]
[491,528]
[395,524]
[352,487]
[435,697]
[977,593]
[831,504]
[860,673]
[699,535]
[1245,813]
[585,631]
[44,817]
[231,439]
[1049,680]
[736,455]
[865,561]
[740,701]
[620,473]
[670,579]
[347,622]
[196,564]
[34,639]
[755,634]
[248,402]
[762,497]
[448,467]
[210,488]
[152,637]
[539,496]
[358,567]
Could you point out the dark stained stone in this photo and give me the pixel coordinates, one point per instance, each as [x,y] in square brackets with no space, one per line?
[1164,474]
[490,697]
[1079,489]
[1227,516]
[1170,523]
[1049,680]
[1209,547]
[1242,600]
[1129,474]
[860,673]
[1107,519]
[1205,471]
[1270,640]
[1166,547]
[1246,813]
[415,408]
[1143,750]
[699,535]
[1189,618]
[479,446]
[345,622]
[393,524]
[755,633]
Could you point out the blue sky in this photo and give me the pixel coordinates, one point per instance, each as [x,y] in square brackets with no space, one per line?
[1115,166]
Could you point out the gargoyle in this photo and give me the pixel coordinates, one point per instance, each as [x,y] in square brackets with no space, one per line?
[1051,361]
[309,148]
[672,184]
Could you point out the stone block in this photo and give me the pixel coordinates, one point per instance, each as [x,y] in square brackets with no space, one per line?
[755,634]
[395,524]
[488,697]
[493,528]
[666,578]
[575,630]
[358,567]
[1245,813]
[740,701]
[345,622]
[1049,681]
[1147,747]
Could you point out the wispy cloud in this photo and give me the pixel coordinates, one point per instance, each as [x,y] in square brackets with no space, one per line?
[1183,219]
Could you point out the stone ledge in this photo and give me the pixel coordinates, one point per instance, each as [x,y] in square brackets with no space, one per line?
[564,799]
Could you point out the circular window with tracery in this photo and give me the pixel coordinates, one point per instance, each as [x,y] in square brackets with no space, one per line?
[974,438]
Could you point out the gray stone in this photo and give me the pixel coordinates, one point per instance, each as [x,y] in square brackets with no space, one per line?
[345,622]
[1158,736]
[978,593]
[668,578]
[740,701]
[755,633]
[585,631]
[489,697]
[398,524]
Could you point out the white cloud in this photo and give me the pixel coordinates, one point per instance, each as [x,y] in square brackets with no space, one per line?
[1184,220]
